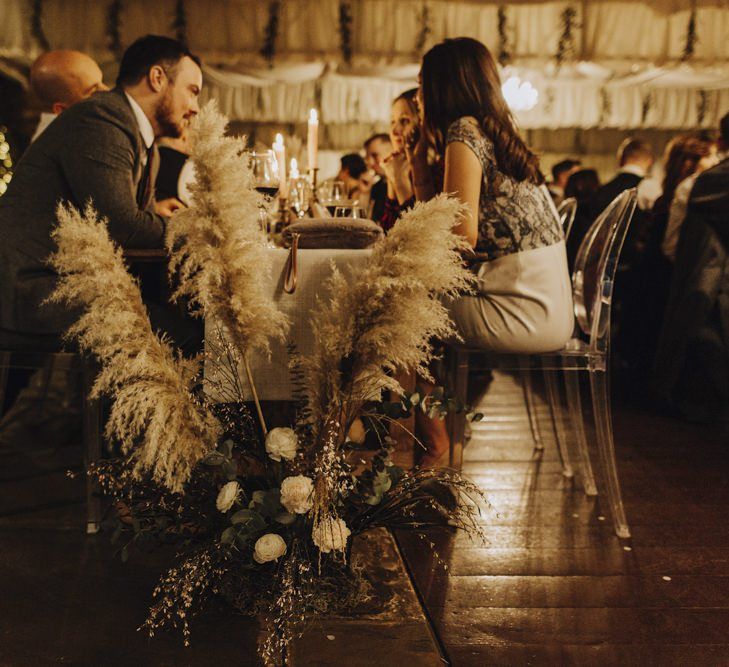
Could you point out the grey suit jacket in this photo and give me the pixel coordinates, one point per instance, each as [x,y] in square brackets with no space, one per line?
[94,151]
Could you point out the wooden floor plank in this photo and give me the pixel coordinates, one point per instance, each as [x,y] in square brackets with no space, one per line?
[553,584]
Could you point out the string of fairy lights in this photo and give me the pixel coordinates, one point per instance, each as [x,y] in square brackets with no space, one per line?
[6,162]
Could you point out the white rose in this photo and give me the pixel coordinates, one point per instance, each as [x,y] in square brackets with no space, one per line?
[331,535]
[281,443]
[269,547]
[227,496]
[296,494]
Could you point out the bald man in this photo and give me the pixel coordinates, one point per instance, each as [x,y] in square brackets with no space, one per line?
[60,79]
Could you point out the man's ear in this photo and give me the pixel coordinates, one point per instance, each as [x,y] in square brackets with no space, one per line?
[156,77]
[59,107]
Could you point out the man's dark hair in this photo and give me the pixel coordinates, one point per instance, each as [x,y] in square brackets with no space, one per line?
[724,129]
[563,166]
[634,149]
[354,164]
[377,137]
[147,52]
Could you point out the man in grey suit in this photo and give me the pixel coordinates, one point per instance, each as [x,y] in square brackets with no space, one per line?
[101,149]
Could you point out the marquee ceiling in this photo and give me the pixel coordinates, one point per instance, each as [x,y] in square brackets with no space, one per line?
[596,63]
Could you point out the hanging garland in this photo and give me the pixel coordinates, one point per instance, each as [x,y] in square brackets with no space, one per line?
[345,30]
[425,29]
[36,25]
[566,44]
[702,106]
[268,50]
[606,107]
[179,24]
[113,26]
[504,53]
[691,37]
[646,107]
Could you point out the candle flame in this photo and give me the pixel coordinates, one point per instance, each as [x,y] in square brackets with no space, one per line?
[313,116]
[279,140]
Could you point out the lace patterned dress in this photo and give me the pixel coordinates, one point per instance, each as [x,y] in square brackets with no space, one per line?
[524,301]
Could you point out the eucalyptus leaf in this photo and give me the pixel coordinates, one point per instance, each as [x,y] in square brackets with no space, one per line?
[228,535]
[215,459]
[248,519]
[285,518]
[226,448]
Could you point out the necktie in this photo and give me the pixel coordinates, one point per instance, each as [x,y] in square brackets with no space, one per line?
[149,177]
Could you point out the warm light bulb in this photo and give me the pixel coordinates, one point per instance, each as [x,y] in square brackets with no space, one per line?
[519,95]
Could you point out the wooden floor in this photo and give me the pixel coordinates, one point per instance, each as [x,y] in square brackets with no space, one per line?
[553,585]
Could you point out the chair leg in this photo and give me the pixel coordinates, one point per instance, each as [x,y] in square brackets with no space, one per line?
[457,422]
[574,406]
[5,358]
[599,383]
[526,386]
[551,379]
[92,449]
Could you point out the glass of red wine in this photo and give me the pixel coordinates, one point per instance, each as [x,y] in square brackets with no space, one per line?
[265,172]
[266,176]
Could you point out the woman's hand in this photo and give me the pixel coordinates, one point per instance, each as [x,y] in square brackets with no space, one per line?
[397,170]
[416,146]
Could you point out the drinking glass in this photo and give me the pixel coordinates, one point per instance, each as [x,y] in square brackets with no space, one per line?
[356,212]
[299,195]
[265,172]
[332,194]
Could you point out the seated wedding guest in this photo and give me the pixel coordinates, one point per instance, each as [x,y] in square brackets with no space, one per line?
[376,148]
[649,279]
[635,160]
[414,170]
[524,297]
[691,371]
[687,158]
[100,149]
[709,199]
[59,79]
[352,169]
[583,185]
[560,175]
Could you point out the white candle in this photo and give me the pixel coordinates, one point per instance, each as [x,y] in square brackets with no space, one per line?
[312,140]
[279,151]
[294,168]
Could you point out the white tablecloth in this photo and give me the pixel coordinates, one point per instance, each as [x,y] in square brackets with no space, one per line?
[272,378]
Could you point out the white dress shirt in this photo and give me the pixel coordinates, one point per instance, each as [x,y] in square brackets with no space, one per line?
[46,119]
[145,127]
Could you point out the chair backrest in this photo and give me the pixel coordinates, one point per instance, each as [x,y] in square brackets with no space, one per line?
[595,267]
[567,211]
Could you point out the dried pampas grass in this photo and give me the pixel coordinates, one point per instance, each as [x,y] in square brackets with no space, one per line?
[383,322]
[154,414]
[217,246]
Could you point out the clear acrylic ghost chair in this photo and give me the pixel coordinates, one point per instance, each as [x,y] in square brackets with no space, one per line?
[567,211]
[592,284]
[458,372]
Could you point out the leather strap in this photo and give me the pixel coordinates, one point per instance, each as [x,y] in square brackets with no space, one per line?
[291,267]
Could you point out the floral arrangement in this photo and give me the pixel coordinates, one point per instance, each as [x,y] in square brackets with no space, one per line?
[263,518]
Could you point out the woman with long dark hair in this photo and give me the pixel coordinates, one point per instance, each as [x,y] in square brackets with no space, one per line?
[524,298]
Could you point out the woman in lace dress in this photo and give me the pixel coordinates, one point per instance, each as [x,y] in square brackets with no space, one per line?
[524,298]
